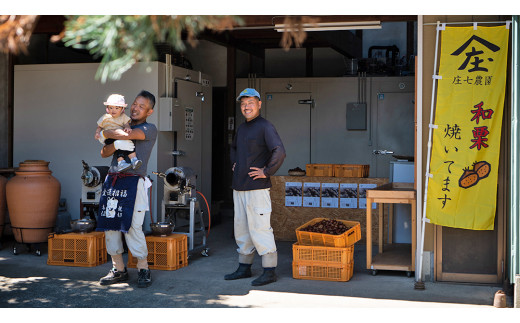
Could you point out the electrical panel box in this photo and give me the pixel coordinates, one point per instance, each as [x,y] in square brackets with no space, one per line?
[167,107]
[356,116]
[165,114]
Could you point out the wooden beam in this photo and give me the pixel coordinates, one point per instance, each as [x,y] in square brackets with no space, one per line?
[271,20]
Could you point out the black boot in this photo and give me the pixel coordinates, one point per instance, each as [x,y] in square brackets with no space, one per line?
[114,277]
[269,276]
[243,271]
[144,278]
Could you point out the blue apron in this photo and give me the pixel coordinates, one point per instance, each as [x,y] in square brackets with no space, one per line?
[116,204]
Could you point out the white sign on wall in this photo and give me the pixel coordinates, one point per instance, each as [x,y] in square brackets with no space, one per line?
[311,194]
[348,196]
[188,124]
[363,195]
[293,194]
[231,123]
[329,195]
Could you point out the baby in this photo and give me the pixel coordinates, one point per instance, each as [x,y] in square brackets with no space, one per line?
[115,118]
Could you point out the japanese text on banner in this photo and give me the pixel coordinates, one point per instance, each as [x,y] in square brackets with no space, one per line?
[462,188]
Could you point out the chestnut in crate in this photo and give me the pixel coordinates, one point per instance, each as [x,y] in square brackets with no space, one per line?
[327,226]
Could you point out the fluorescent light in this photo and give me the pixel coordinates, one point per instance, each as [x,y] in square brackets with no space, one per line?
[327,26]
[343,28]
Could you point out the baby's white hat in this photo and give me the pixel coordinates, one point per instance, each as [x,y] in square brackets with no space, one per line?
[116,100]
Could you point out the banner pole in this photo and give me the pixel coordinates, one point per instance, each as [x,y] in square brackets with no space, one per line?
[419,284]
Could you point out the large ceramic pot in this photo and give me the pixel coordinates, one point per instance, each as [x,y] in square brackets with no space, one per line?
[33,196]
[3,182]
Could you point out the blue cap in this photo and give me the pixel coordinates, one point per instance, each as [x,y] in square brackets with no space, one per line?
[248,93]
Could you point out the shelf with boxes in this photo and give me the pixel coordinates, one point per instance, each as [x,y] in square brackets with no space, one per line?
[285,219]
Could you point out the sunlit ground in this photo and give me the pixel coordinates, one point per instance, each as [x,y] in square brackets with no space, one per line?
[271,315]
[258,306]
[257,298]
[7,284]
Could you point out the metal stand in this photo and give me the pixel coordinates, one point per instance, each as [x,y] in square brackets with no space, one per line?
[37,251]
[170,215]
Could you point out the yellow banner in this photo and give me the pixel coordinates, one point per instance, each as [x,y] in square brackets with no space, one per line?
[462,188]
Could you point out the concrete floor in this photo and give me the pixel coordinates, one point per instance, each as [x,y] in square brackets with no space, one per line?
[26,281]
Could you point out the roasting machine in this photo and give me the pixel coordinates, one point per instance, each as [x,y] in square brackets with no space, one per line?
[92,179]
[181,207]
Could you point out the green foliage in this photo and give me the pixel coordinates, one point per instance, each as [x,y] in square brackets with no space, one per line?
[122,41]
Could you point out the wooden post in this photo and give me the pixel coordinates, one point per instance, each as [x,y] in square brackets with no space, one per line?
[414,231]
[369,233]
[381,226]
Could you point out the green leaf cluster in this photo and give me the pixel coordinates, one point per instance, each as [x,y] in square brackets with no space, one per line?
[122,41]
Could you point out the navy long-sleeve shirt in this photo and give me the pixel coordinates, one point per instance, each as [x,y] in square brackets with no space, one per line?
[256,144]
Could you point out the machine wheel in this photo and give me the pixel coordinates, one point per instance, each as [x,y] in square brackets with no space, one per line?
[408,274]
[38,252]
[15,251]
[374,272]
[205,252]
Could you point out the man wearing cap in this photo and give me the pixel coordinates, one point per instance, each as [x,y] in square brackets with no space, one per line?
[135,184]
[257,153]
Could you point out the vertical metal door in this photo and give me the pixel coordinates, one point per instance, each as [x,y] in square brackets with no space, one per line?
[293,123]
[187,120]
[394,128]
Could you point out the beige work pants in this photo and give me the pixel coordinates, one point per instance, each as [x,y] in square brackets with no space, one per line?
[253,227]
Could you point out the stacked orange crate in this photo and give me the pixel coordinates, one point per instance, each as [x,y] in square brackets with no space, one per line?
[77,249]
[319,170]
[323,263]
[164,253]
[319,256]
[348,238]
[351,170]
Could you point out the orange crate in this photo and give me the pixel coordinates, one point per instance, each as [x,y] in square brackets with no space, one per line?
[335,255]
[319,170]
[164,253]
[77,249]
[346,239]
[316,270]
[351,170]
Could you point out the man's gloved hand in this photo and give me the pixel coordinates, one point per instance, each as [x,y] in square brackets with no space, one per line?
[124,145]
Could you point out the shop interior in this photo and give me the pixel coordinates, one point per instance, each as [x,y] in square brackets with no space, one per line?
[346,96]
